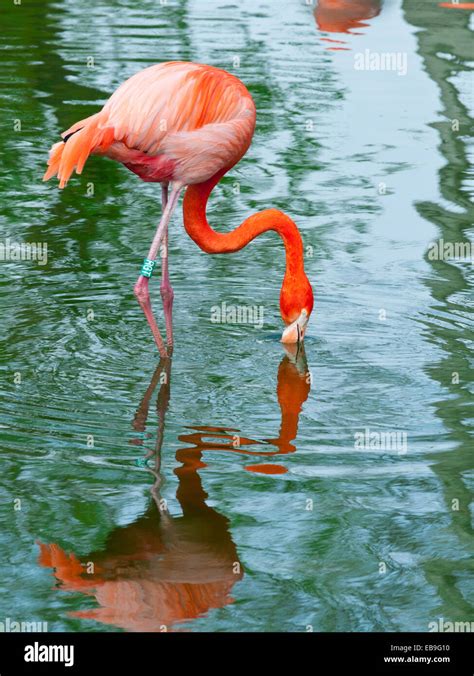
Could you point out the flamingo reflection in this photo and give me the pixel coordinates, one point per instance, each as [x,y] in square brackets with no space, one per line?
[162,570]
[343,16]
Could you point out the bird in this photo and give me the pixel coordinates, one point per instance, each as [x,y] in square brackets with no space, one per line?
[184,125]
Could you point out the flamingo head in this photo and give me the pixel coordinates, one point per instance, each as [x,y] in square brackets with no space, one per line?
[296,305]
[294,332]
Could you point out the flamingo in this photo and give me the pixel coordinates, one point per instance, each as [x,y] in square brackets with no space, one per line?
[184,125]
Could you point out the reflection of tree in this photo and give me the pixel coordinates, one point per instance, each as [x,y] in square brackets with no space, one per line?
[444,32]
[163,569]
[47,85]
[38,26]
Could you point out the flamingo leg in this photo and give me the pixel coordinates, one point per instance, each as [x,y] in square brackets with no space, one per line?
[141,289]
[167,293]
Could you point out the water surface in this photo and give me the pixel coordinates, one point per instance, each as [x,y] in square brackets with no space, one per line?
[230,496]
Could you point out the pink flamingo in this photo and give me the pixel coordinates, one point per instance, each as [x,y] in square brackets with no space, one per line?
[185,125]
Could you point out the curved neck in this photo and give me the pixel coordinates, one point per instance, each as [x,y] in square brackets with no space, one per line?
[210,241]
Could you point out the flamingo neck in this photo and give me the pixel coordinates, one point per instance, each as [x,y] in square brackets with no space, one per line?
[212,242]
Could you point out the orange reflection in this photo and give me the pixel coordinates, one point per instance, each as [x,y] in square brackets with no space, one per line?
[459,5]
[162,570]
[343,16]
[267,468]
[293,387]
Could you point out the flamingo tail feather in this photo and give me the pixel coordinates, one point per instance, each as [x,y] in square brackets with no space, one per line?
[79,141]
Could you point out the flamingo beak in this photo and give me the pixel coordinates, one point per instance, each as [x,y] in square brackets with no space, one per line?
[294,332]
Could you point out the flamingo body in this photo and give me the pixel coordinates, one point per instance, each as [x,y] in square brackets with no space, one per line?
[174,121]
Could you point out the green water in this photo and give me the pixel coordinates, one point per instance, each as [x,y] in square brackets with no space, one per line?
[370,165]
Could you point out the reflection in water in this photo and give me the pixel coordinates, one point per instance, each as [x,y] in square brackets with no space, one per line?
[450,287]
[162,569]
[341,16]
[293,386]
[457,5]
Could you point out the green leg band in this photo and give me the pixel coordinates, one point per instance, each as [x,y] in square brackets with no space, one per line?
[147,267]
